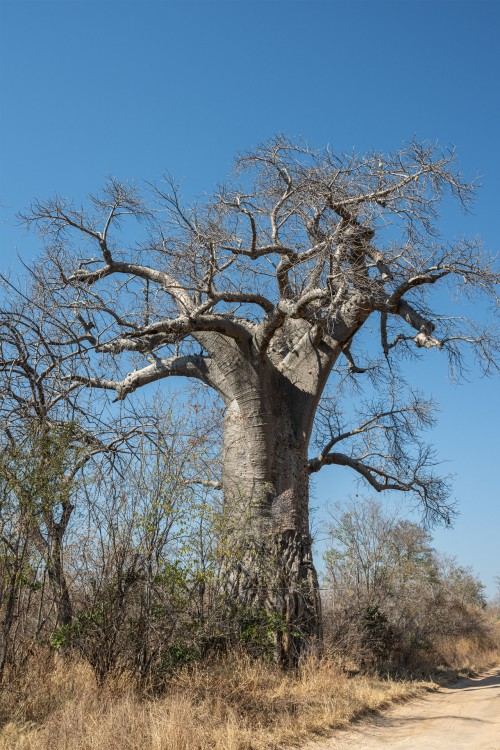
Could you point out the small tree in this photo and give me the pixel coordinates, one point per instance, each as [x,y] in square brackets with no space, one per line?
[48,439]
[373,553]
[390,595]
[262,292]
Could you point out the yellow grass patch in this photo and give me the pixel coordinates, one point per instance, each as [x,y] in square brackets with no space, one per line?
[236,704]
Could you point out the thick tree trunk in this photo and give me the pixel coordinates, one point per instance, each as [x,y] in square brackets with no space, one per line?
[266,494]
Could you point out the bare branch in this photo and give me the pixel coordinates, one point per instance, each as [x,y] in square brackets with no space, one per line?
[187,366]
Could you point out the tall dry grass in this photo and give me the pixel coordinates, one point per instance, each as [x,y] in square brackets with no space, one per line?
[234,703]
[237,704]
[469,655]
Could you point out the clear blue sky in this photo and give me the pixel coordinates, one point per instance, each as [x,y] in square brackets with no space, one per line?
[129,89]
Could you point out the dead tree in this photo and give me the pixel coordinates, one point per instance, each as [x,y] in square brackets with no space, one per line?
[263,292]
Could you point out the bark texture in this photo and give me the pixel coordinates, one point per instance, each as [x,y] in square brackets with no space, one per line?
[266,497]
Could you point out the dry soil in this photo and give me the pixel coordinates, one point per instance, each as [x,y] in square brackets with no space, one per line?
[465,715]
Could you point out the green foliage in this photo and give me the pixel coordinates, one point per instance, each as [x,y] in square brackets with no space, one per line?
[70,635]
[36,470]
[236,626]
[378,636]
[178,655]
[60,637]
[258,627]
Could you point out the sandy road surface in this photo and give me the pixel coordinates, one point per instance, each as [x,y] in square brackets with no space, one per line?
[466,715]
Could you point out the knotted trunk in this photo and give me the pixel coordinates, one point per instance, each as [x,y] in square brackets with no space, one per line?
[266,493]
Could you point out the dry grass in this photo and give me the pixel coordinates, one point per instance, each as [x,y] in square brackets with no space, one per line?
[235,704]
[470,655]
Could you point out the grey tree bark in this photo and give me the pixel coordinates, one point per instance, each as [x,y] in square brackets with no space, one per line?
[266,495]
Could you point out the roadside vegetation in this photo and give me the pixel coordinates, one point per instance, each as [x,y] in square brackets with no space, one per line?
[395,604]
[231,702]
[121,636]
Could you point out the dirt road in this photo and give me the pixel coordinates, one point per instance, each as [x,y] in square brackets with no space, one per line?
[466,715]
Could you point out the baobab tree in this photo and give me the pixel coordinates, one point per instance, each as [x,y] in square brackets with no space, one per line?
[262,292]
